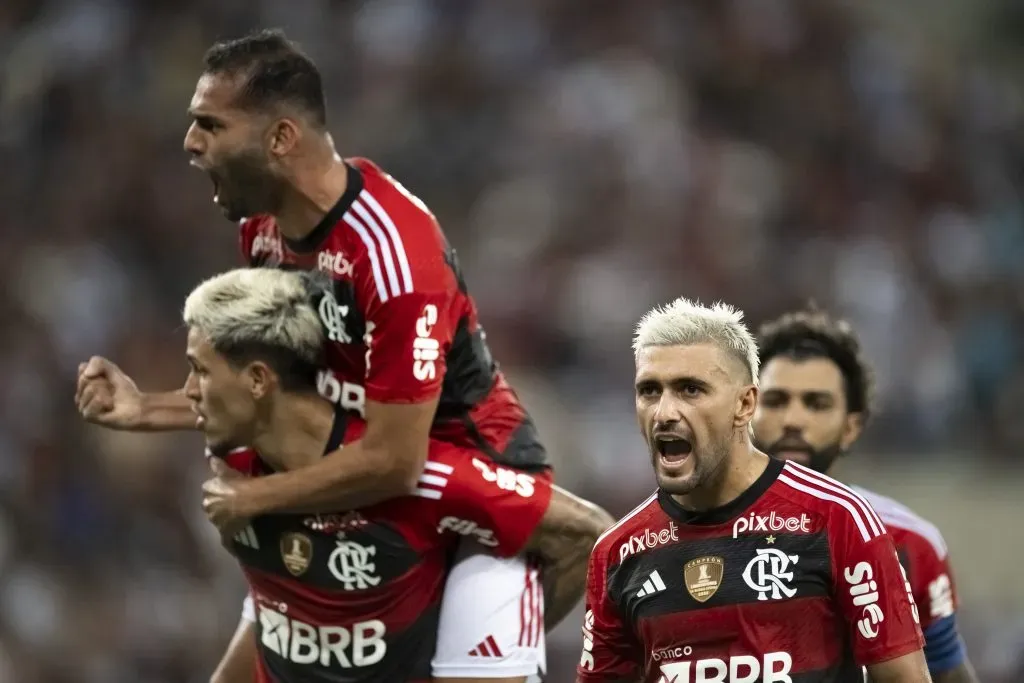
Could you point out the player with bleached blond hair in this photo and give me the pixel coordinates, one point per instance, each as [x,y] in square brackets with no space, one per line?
[363,588]
[739,567]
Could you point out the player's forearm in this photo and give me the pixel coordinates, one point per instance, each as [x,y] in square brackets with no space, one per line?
[348,478]
[960,674]
[166,411]
[563,540]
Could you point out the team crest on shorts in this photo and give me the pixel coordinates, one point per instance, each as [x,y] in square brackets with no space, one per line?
[296,552]
[703,576]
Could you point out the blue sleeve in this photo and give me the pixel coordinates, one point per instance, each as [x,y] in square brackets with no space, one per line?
[943,647]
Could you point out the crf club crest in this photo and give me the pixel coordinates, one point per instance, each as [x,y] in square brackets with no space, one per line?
[703,576]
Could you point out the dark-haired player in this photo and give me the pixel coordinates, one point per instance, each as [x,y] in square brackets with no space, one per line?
[406,355]
[815,400]
[739,568]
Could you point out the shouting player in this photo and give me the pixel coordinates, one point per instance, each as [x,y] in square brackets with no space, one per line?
[815,399]
[353,595]
[406,354]
[739,568]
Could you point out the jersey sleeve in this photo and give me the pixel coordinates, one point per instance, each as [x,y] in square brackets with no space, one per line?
[407,291]
[871,588]
[610,651]
[246,235]
[498,506]
[931,579]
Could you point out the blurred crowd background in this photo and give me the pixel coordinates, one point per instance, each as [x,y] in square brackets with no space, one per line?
[588,158]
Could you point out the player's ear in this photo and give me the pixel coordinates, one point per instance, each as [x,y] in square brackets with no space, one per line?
[746,405]
[261,379]
[852,427]
[283,136]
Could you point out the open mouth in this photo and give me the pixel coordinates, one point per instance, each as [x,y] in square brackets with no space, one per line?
[216,186]
[672,448]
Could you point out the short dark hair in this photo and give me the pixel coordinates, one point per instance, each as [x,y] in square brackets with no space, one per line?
[275,69]
[813,333]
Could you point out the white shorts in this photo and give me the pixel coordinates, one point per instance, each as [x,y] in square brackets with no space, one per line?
[492,618]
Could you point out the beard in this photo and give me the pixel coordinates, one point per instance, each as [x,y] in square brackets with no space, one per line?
[818,459]
[246,187]
[707,464]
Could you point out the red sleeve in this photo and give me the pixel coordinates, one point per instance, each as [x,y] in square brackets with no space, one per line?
[245,239]
[498,506]
[931,579]
[873,592]
[406,290]
[610,650]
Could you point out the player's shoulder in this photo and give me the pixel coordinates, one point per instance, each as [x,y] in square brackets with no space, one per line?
[905,526]
[843,507]
[388,201]
[637,521]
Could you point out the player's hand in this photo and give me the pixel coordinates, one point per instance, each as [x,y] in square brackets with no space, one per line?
[106,396]
[223,498]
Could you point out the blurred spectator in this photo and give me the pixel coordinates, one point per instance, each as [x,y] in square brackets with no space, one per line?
[598,156]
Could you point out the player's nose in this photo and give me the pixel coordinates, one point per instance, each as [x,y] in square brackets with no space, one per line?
[795,418]
[193,142]
[668,410]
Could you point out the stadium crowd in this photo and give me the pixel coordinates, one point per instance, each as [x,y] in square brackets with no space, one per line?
[587,160]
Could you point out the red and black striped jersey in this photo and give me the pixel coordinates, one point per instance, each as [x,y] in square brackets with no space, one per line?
[354,597]
[403,327]
[795,581]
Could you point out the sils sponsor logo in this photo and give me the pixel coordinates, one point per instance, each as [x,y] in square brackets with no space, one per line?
[587,658]
[771,523]
[940,597]
[361,644]
[346,394]
[466,527]
[769,574]
[648,540]
[425,349]
[771,667]
[335,263]
[506,479]
[864,592]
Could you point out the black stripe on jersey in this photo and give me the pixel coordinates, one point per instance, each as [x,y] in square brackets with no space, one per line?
[469,372]
[405,655]
[811,573]
[369,557]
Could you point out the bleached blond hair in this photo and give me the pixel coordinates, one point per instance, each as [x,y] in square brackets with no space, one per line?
[685,323]
[251,308]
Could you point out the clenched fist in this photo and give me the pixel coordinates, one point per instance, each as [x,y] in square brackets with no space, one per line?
[106,396]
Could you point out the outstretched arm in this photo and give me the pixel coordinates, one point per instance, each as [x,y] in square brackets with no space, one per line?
[564,539]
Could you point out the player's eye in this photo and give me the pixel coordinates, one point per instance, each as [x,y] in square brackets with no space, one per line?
[208,124]
[773,400]
[647,390]
[692,390]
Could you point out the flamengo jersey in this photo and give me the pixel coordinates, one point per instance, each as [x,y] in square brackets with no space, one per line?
[355,597]
[796,581]
[403,328]
[925,558]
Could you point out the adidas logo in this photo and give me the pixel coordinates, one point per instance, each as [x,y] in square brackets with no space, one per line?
[247,537]
[652,585]
[488,647]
